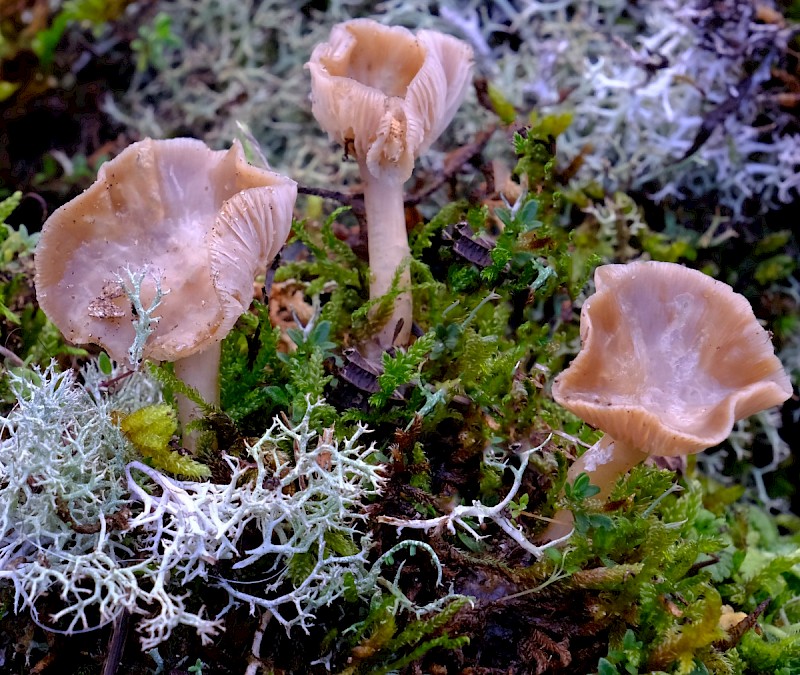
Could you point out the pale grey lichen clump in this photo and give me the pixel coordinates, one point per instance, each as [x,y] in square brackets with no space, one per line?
[642,80]
[62,460]
[87,532]
[647,100]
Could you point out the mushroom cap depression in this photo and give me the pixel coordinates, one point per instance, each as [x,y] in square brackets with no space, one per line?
[386,91]
[205,221]
[670,359]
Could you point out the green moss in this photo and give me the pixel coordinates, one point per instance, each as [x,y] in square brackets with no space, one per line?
[151,429]
[502,106]
[380,646]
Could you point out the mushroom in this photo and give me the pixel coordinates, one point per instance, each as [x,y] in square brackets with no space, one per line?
[670,359]
[386,95]
[205,221]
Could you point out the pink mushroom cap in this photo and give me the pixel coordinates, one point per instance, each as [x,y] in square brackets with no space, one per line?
[670,359]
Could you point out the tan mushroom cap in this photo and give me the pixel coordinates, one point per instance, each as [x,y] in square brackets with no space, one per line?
[388,92]
[670,359]
[205,221]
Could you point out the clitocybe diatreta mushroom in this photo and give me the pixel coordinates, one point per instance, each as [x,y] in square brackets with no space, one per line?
[670,359]
[206,222]
[386,95]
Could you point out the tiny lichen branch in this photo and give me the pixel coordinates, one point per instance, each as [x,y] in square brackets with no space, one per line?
[144,322]
[469,23]
[770,421]
[316,311]
[496,514]
[371,582]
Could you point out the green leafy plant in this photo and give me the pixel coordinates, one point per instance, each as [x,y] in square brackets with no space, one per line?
[154,43]
[401,368]
[332,267]
[69,172]
[197,668]
[15,245]
[28,336]
[94,12]
[627,655]
[305,370]
[249,362]
[518,507]
[578,492]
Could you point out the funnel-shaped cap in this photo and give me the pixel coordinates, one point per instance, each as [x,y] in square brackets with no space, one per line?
[206,222]
[670,360]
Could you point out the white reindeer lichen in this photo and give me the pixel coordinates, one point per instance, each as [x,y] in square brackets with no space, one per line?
[89,536]
[460,516]
[145,321]
[191,527]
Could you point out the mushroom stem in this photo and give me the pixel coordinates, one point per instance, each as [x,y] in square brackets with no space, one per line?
[605,462]
[201,372]
[388,250]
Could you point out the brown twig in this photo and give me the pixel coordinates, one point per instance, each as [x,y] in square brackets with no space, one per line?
[112,382]
[354,200]
[736,633]
[116,643]
[694,569]
[40,201]
[335,195]
[44,663]
[11,356]
[453,164]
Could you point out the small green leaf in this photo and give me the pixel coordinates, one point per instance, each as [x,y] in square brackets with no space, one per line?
[605,667]
[8,315]
[278,395]
[350,588]
[776,268]
[502,106]
[8,205]
[519,506]
[581,488]
[527,215]
[472,544]
[104,363]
